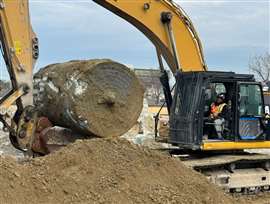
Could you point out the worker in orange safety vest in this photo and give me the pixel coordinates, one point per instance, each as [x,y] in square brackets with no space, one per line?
[218,114]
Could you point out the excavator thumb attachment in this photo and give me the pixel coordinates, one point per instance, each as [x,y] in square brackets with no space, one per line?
[51,138]
[36,135]
[26,129]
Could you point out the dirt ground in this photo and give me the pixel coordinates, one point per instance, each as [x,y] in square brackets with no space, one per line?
[262,198]
[105,171]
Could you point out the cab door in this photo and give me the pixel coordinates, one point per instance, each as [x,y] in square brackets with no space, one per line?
[185,118]
[250,112]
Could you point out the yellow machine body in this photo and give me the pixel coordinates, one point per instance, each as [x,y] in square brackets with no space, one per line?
[231,145]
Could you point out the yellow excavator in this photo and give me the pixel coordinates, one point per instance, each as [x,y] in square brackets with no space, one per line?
[176,41]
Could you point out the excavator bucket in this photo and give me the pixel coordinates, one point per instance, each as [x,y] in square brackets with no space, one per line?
[49,138]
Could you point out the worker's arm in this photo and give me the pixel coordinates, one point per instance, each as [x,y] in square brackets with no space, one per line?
[224,112]
[152,18]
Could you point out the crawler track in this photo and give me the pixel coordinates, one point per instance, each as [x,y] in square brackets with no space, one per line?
[241,172]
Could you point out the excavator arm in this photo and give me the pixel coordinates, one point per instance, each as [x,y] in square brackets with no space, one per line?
[19,47]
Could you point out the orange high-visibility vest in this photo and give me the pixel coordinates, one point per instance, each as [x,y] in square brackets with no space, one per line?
[217,109]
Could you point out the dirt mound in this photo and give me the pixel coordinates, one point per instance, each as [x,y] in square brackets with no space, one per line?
[104,171]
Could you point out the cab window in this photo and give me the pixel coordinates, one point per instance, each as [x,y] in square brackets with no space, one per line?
[250,100]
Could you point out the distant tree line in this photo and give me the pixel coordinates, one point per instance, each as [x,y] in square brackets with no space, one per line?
[260,66]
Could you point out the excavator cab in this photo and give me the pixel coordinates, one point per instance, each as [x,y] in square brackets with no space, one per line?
[243,126]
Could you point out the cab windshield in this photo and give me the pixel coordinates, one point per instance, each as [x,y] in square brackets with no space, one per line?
[250,100]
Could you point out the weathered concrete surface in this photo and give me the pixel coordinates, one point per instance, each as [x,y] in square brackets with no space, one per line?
[98,97]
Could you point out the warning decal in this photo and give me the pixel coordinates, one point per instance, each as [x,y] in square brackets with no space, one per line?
[18,47]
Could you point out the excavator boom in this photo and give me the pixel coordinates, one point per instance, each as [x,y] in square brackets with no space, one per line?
[168,28]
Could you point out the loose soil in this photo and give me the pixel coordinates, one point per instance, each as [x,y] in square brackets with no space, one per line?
[261,198]
[105,171]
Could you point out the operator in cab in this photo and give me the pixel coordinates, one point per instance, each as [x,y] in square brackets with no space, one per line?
[218,114]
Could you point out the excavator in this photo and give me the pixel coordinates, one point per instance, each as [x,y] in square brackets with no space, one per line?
[224,161]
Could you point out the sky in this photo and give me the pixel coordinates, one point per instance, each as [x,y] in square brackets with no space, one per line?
[231,31]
